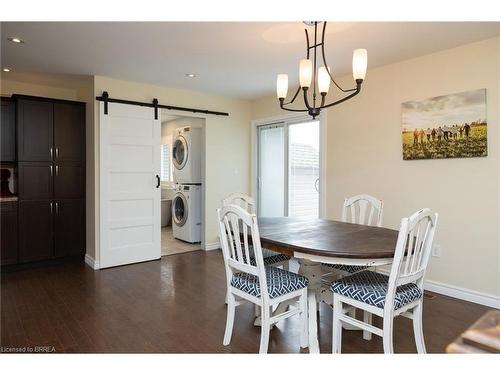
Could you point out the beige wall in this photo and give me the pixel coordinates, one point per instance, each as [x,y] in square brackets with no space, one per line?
[364,155]
[227,139]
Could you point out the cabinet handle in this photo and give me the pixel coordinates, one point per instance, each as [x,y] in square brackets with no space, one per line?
[57,171]
[157,181]
[51,171]
[57,208]
[51,208]
[51,153]
[57,152]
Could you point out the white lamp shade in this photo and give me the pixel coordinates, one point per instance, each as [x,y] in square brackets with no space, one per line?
[359,62]
[323,80]
[282,85]
[305,72]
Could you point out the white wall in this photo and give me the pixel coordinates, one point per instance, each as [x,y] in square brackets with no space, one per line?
[364,154]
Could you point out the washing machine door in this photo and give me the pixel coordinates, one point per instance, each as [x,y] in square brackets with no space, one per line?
[179,209]
[180,152]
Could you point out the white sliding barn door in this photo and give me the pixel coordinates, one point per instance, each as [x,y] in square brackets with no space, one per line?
[129,197]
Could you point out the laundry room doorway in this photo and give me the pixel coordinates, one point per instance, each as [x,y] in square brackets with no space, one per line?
[182,179]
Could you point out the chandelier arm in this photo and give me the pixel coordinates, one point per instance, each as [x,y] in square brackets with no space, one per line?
[294,97]
[324,61]
[323,97]
[282,106]
[307,43]
[356,92]
[306,101]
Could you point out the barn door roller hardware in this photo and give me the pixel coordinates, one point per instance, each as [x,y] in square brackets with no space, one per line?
[154,104]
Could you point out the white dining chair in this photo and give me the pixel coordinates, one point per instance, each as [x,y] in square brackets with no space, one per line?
[264,286]
[400,293]
[360,209]
[248,204]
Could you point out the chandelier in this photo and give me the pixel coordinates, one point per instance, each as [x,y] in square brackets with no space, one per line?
[319,78]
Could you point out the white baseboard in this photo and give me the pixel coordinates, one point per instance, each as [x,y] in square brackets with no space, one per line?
[463,294]
[91,262]
[457,292]
[212,246]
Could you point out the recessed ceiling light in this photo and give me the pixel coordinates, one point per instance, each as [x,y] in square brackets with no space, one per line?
[190,75]
[15,39]
[6,70]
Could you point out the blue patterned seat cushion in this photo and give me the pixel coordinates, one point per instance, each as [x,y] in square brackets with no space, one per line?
[371,288]
[345,267]
[270,257]
[279,282]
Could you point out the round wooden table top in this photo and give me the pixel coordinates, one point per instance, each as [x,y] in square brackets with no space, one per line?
[327,238]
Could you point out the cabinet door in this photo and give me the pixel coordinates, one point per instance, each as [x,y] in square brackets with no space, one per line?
[69,180]
[69,132]
[8,233]
[35,230]
[69,227]
[35,130]
[8,131]
[35,180]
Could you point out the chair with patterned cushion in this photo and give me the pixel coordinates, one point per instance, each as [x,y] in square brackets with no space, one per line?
[365,210]
[264,286]
[248,204]
[270,257]
[400,293]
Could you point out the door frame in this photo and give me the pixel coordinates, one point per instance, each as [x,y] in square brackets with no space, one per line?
[204,117]
[289,118]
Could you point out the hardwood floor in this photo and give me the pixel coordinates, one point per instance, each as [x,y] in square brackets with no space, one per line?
[175,305]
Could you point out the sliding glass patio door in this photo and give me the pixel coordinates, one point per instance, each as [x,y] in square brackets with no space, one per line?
[288,169]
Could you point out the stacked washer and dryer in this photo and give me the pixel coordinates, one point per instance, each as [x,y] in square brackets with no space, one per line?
[186,204]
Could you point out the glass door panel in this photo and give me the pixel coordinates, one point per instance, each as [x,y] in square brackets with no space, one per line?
[271,170]
[303,170]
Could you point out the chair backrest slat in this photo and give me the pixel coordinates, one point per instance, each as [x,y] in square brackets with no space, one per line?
[229,237]
[358,208]
[413,248]
[235,228]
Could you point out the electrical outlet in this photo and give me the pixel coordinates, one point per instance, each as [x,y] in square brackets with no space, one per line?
[436,251]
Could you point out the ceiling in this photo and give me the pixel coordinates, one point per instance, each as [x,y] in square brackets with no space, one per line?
[233,59]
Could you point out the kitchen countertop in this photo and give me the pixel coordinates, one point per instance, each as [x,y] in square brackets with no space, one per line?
[8,199]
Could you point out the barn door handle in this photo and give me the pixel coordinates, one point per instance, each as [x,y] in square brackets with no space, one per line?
[157,181]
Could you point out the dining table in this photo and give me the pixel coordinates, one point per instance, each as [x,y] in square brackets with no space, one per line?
[314,242]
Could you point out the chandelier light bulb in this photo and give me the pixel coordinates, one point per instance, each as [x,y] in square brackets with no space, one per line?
[282,86]
[305,72]
[359,63]
[323,80]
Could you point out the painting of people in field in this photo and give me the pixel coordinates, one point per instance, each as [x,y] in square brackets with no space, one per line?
[450,126]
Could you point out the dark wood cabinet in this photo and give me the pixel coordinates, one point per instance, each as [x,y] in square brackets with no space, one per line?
[69,180]
[35,126]
[69,227]
[69,131]
[51,177]
[8,130]
[8,233]
[36,230]
[36,180]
